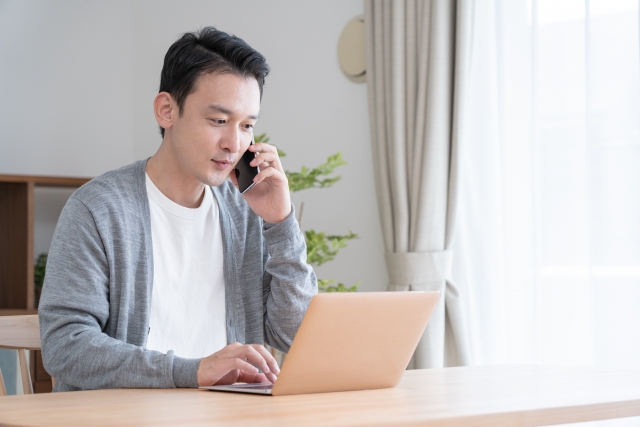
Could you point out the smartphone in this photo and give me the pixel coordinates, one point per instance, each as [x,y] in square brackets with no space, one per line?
[245,172]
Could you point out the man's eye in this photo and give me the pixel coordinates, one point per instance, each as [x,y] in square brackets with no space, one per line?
[248,126]
[218,121]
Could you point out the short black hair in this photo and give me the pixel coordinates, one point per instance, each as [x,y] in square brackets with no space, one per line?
[207,51]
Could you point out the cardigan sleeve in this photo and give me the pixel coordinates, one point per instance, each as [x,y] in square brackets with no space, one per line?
[289,282]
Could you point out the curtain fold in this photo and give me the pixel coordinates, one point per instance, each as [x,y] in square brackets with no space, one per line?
[417,57]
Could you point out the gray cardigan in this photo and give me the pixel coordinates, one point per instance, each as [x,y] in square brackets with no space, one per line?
[94,308]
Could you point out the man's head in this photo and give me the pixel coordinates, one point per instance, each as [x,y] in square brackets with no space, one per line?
[208,51]
[209,100]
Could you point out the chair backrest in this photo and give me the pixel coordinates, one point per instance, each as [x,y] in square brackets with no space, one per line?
[20,333]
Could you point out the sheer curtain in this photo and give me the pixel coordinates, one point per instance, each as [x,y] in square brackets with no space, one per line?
[548,244]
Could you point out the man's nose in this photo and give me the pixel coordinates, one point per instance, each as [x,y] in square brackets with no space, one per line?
[231,141]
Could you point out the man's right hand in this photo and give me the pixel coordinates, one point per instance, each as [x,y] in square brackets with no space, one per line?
[238,363]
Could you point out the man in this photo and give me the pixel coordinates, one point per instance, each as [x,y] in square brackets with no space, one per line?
[155,267]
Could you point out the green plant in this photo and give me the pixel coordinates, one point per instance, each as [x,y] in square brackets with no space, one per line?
[321,247]
[313,178]
[39,270]
[38,276]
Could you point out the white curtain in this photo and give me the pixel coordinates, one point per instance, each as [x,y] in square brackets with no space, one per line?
[548,239]
[417,62]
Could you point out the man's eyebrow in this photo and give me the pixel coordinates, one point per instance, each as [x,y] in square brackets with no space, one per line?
[228,112]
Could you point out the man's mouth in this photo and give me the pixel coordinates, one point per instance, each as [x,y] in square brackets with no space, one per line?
[222,164]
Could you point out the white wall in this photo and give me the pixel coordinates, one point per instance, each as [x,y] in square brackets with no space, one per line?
[66,85]
[78,79]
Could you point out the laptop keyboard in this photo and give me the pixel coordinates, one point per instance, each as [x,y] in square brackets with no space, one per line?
[255,386]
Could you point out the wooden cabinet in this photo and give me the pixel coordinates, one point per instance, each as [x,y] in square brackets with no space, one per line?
[17,293]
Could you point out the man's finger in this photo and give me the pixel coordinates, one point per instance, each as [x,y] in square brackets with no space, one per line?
[259,146]
[271,159]
[253,378]
[252,356]
[271,361]
[268,173]
[243,366]
[229,378]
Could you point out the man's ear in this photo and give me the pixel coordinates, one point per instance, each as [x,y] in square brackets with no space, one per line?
[165,110]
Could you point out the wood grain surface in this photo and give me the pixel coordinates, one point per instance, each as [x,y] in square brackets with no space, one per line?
[17,311]
[517,395]
[20,332]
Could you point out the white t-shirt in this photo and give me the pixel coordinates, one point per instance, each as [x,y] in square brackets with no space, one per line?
[188,298]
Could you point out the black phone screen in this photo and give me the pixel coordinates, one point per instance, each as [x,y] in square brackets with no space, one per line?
[245,172]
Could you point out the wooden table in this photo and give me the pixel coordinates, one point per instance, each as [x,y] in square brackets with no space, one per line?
[516,395]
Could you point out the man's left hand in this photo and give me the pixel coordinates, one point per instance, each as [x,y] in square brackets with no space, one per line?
[269,198]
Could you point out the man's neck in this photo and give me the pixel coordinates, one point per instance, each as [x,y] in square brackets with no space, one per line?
[172,181]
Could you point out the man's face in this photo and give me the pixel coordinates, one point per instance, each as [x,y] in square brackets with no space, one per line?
[216,126]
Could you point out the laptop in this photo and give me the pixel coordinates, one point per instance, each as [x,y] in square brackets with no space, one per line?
[350,341]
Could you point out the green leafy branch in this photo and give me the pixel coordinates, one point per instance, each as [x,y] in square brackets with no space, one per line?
[265,140]
[317,177]
[325,286]
[322,248]
[314,178]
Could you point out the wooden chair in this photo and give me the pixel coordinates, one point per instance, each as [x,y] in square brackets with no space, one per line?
[20,333]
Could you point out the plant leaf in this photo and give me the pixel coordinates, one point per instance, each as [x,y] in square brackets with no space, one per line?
[326,286]
[322,248]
